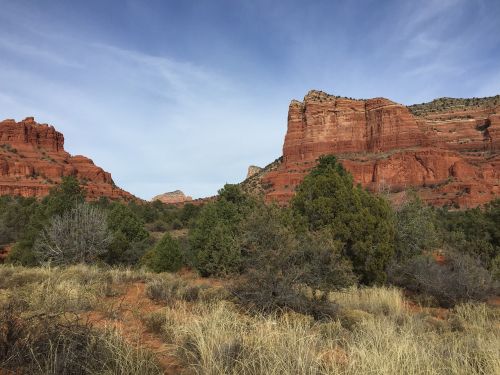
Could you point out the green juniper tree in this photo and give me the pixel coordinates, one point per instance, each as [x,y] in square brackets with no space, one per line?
[361,221]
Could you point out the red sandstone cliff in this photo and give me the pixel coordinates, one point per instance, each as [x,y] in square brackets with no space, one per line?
[33,160]
[450,157]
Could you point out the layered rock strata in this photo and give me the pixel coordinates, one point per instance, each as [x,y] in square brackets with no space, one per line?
[33,160]
[450,157]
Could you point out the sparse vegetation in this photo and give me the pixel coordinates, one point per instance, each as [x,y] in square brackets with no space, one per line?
[50,326]
[296,293]
[453,104]
[8,148]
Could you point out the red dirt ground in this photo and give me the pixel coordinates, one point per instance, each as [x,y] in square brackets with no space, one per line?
[127,311]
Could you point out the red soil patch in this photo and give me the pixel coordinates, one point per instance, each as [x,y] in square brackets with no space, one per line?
[193,278]
[125,317]
[439,258]
[494,301]
[4,252]
[436,312]
[336,355]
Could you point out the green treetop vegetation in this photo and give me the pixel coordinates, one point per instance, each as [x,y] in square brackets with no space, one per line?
[362,222]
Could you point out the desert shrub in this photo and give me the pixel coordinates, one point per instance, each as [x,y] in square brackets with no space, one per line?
[353,318]
[415,228]
[461,278]
[169,288]
[154,321]
[215,237]
[147,212]
[166,256]
[280,263]
[46,344]
[130,238]
[213,294]
[79,235]
[22,254]
[15,213]
[120,275]
[177,224]
[189,213]
[328,200]
[475,231]
[157,226]
[62,198]
[122,219]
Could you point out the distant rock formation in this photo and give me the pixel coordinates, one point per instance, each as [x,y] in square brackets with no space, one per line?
[449,154]
[33,160]
[173,197]
[253,170]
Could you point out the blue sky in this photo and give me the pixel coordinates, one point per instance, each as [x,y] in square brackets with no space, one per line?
[169,94]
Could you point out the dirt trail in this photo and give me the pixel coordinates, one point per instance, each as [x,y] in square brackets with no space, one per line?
[124,315]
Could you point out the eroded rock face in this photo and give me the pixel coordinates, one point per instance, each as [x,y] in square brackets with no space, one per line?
[33,160]
[173,197]
[451,158]
[253,170]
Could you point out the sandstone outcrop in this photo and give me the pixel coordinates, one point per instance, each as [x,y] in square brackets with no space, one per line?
[450,157]
[173,197]
[253,170]
[33,160]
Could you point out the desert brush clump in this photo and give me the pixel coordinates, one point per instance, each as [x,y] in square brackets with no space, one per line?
[43,329]
[165,256]
[168,288]
[280,263]
[79,235]
[460,279]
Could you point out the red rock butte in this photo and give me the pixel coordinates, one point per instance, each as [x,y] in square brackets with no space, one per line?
[448,153]
[33,160]
[173,197]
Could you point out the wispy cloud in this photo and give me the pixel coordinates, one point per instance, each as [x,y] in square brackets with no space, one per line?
[419,15]
[156,123]
[11,46]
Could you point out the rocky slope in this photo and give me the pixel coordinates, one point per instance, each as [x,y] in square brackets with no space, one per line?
[448,152]
[33,160]
[173,197]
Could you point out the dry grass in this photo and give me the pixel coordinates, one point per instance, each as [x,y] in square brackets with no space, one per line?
[375,331]
[218,339]
[375,300]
